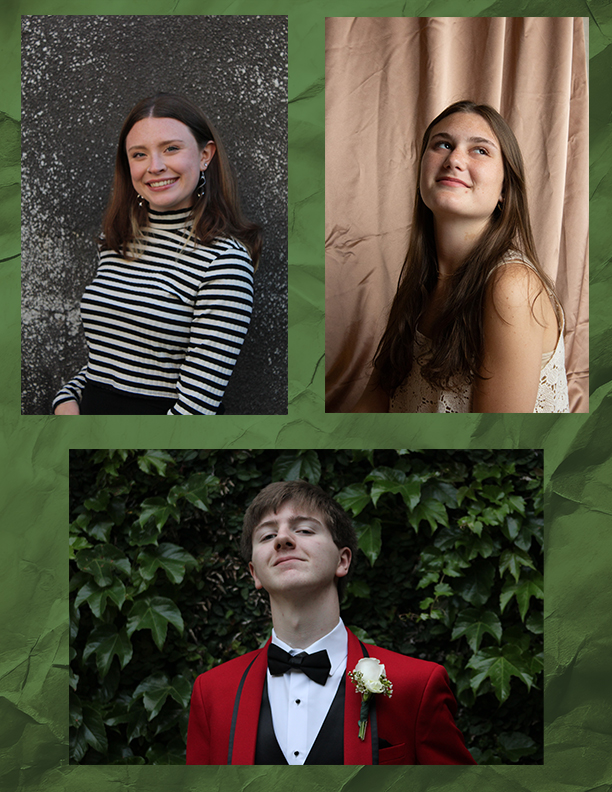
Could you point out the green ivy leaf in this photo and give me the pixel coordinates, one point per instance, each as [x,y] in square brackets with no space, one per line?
[78,744]
[171,754]
[369,538]
[94,729]
[135,718]
[97,597]
[106,642]
[157,509]
[100,530]
[75,711]
[482,546]
[431,577]
[492,492]
[518,503]
[445,492]
[91,732]
[482,471]
[462,492]
[75,617]
[154,613]
[499,664]
[443,590]
[524,539]
[291,466]
[453,564]
[76,543]
[155,462]
[143,535]
[516,745]
[477,585]
[511,528]
[358,588]
[354,497]
[103,562]
[523,591]
[431,510]
[473,624]
[99,502]
[385,479]
[156,688]
[535,622]
[411,492]
[196,490]
[169,557]
[512,560]
[495,516]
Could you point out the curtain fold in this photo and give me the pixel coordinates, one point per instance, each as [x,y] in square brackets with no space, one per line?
[386,78]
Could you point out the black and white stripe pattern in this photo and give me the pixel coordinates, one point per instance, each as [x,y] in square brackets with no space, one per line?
[169,324]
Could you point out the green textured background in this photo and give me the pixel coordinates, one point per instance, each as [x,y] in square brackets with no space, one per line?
[34,459]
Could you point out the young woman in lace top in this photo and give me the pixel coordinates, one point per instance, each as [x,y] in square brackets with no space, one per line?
[475,325]
[168,310]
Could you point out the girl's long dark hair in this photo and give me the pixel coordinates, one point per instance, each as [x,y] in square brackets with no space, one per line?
[215,214]
[457,336]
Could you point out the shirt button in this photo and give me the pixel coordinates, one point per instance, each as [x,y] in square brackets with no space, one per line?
[296,753]
[297,701]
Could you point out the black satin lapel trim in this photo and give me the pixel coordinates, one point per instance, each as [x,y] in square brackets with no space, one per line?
[372,714]
[230,750]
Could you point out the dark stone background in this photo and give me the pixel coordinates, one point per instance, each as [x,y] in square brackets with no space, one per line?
[81,75]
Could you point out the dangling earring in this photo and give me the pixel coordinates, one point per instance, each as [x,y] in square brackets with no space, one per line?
[201,184]
[140,199]
[500,204]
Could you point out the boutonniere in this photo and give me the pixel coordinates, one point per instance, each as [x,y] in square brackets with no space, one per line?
[369,677]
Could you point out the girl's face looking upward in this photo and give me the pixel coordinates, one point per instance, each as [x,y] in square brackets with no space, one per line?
[462,171]
[165,162]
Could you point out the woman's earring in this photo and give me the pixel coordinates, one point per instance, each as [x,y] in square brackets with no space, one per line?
[201,184]
[140,199]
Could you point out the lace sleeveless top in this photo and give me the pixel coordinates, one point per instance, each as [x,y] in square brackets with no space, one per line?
[416,395]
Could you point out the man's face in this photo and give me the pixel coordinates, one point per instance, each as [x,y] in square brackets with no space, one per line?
[293,550]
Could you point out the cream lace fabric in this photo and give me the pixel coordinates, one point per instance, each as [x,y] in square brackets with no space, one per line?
[416,395]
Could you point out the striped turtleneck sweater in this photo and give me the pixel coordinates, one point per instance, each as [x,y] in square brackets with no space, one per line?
[169,324]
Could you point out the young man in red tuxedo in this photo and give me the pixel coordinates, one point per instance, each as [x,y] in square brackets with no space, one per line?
[292,701]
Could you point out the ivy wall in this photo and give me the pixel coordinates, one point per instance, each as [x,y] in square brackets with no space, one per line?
[449,569]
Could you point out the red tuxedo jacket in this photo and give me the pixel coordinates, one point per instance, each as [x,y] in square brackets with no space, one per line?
[418,719]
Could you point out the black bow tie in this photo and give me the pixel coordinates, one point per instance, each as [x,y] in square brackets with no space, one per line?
[316,666]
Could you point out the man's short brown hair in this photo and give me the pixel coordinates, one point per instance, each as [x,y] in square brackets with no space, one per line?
[300,493]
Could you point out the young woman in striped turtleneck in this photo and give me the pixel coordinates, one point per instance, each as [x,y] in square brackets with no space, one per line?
[170,306]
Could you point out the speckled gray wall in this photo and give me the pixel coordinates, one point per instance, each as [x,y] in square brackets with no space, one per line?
[80,77]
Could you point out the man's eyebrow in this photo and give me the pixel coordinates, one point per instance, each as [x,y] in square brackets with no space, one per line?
[292,520]
[447,136]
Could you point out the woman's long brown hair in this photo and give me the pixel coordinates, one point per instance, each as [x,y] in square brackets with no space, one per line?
[216,213]
[457,336]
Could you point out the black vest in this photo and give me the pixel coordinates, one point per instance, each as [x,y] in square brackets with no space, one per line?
[332,729]
[328,748]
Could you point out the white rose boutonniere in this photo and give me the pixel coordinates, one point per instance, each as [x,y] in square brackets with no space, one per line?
[369,677]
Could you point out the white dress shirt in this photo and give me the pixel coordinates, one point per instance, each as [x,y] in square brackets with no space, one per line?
[298,704]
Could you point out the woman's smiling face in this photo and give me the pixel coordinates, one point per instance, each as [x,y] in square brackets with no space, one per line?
[462,170]
[165,162]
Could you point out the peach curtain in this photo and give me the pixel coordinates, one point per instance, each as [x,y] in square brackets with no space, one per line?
[386,78]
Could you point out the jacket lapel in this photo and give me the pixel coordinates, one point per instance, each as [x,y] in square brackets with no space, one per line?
[356,751]
[247,719]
